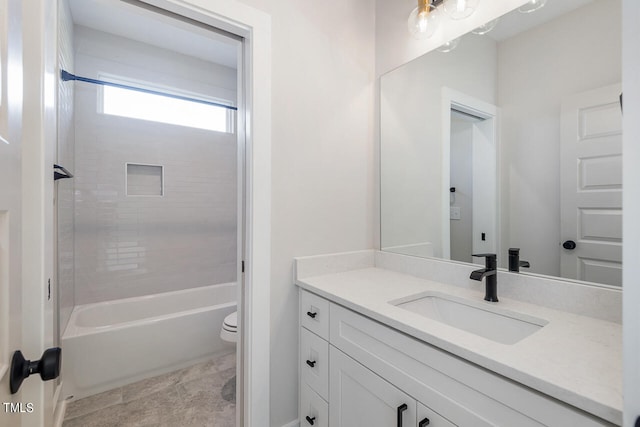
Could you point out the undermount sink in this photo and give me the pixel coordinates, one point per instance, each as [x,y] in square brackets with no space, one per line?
[479,318]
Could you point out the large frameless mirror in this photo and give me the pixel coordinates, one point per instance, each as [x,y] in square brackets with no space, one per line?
[511,139]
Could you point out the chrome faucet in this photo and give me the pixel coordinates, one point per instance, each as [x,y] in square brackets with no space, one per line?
[491,282]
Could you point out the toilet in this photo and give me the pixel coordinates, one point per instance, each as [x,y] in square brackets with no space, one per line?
[229,331]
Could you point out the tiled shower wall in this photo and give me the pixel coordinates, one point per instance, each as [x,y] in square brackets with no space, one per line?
[138,245]
[65,157]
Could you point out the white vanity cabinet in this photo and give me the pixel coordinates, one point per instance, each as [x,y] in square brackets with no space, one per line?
[359,397]
[314,360]
[373,370]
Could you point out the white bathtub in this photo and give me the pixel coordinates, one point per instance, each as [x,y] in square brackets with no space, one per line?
[110,344]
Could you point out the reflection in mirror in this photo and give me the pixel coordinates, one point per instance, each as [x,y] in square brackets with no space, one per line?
[542,172]
[467,174]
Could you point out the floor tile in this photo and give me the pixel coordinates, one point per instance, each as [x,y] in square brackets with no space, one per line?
[93,403]
[190,397]
[106,417]
[149,386]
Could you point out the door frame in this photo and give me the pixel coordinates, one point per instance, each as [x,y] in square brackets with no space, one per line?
[39,124]
[452,99]
[631,206]
[254,27]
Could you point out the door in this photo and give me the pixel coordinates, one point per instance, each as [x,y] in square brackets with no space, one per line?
[591,186]
[10,207]
[360,398]
[473,186]
[27,128]
[480,160]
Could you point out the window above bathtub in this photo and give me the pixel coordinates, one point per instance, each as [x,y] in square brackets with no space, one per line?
[170,107]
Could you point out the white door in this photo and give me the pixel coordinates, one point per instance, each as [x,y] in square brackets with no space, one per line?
[591,186]
[10,210]
[360,398]
[27,116]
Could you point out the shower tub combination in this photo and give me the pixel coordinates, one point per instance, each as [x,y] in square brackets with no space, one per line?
[110,344]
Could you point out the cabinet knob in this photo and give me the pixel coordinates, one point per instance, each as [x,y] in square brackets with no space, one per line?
[401,409]
[312,315]
[311,363]
[424,422]
[569,244]
[310,420]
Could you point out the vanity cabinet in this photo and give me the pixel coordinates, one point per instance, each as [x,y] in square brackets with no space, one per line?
[374,369]
[360,397]
[314,360]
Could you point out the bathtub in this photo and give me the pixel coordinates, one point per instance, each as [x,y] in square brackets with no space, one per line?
[110,344]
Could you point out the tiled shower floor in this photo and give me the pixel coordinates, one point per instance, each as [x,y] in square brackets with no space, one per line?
[197,396]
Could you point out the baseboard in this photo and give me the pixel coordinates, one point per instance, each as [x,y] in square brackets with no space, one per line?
[294,423]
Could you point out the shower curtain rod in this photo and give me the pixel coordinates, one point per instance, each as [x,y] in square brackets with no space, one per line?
[67,76]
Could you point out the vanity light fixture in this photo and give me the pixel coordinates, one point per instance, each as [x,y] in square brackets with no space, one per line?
[460,9]
[484,29]
[424,19]
[532,6]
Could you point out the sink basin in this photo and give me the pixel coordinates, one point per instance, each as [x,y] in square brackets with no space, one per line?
[494,323]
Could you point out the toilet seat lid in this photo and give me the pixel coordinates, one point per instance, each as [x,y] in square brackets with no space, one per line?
[231,321]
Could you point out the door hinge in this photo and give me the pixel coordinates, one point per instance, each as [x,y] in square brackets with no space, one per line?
[48,289]
[243,266]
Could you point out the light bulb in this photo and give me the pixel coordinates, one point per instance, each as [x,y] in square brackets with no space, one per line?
[532,6]
[459,9]
[449,46]
[423,21]
[484,29]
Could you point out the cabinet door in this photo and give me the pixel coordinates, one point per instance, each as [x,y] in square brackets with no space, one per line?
[360,398]
[427,417]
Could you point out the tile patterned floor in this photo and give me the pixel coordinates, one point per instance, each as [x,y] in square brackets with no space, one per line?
[190,397]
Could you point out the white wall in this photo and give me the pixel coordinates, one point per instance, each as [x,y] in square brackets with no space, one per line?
[322,151]
[536,69]
[411,136]
[65,157]
[135,245]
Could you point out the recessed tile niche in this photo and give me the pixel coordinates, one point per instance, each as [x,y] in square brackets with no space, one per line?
[145,180]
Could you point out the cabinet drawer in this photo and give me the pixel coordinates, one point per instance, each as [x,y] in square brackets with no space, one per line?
[314,362]
[314,314]
[314,411]
[464,393]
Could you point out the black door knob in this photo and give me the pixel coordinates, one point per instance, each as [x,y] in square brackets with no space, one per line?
[311,363]
[310,420]
[48,367]
[569,244]
[312,315]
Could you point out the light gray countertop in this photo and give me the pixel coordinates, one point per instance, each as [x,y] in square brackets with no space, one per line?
[575,359]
